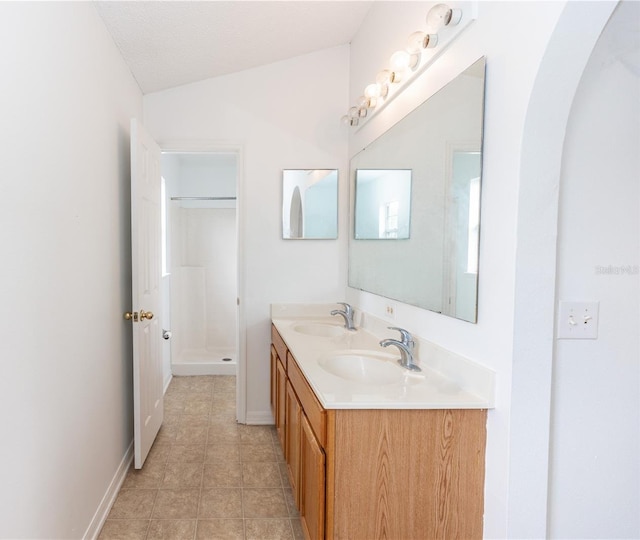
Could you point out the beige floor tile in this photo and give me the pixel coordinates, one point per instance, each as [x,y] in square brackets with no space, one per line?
[176,504]
[223,434]
[202,385]
[172,529]
[284,472]
[193,420]
[222,415]
[133,504]
[171,418]
[220,503]
[261,474]
[296,525]
[159,453]
[149,477]
[224,381]
[187,453]
[124,529]
[277,448]
[255,434]
[166,435]
[187,434]
[274,436]
[222,474]
[264,503]
[229,393]
[200,406]
[182,475]
[220,529]
[173,403]
[179,384]
[268,529]
[224,404]
[291,503]
[222,452]
[257,452]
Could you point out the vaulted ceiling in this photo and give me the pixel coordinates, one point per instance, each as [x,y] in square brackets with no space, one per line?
[171,43]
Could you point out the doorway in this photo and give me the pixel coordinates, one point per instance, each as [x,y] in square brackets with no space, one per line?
[200,262]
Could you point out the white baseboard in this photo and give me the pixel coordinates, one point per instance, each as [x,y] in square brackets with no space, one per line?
[262,418]
[110,496]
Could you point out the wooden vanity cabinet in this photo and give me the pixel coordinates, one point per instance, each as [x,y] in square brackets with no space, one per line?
[379,473]
[278,383]
[293,415]
[312,483]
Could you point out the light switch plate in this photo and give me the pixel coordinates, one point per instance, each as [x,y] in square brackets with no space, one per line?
[578,320]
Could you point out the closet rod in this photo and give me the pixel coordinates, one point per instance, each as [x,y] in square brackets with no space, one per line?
[203,198]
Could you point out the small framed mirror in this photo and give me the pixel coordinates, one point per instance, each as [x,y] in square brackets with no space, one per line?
[310,204]
[383,204]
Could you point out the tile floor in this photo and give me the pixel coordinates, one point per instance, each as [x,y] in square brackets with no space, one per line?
[206,477]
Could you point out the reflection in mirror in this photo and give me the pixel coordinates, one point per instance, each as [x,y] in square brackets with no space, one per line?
[440,143]
[383,204]
[310,203]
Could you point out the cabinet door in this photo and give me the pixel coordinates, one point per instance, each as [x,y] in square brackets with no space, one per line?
[312,483]
[292,450]
[273,392]
[281,389]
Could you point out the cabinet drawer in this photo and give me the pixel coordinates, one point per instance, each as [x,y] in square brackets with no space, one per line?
[279,345]
[314,411]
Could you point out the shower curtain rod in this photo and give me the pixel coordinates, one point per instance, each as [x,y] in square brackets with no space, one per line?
[203,198]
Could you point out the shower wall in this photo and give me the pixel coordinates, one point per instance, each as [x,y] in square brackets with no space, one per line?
[203,287]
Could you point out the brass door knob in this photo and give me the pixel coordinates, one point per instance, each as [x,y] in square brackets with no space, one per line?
[131,316]
[145,315]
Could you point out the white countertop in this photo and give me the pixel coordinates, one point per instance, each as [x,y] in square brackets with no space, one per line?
[466,385]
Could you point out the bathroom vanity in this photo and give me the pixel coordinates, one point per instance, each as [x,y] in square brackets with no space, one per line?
[376,452]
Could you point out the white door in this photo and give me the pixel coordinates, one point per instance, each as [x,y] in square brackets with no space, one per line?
[146,293]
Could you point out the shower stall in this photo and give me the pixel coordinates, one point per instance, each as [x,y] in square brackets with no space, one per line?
[201,249]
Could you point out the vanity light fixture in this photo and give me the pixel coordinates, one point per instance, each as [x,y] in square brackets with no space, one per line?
[442,15]
[404,62]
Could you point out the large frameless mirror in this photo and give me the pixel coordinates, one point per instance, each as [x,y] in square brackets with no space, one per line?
[310,204]
[435,266]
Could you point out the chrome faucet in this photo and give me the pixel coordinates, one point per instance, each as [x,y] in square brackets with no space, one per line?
[405,346]
[347,315]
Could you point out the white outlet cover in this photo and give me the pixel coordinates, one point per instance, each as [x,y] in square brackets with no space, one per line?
[578,320]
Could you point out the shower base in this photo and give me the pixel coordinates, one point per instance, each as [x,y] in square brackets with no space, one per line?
[205,362]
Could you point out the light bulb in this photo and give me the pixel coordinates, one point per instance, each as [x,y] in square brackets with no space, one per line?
[353,112]
[345,120]
[362,112]
[415,43]
[442,15]
[419,41]
[384,77]
[372,91]
[402,61]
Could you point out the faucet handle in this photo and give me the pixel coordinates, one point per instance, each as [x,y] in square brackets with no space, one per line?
[407,338]
[347,307]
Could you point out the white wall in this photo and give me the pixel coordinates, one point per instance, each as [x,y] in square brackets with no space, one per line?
[535,54]
[595,460]
[284,116]
[65,278]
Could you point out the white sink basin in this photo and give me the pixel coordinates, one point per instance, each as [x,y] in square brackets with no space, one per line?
[364,367]
[319,329]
